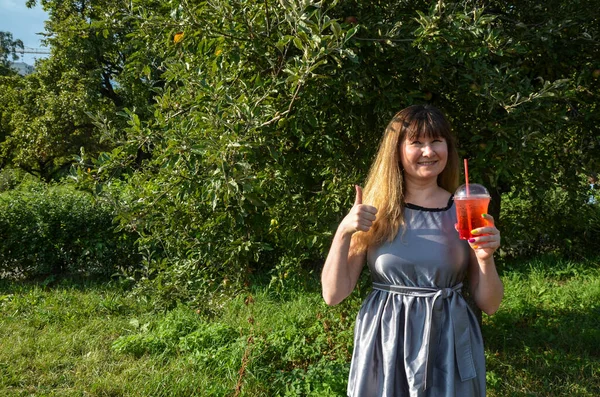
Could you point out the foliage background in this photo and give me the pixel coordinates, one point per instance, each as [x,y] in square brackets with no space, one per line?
[227,135]
[56,230]
[206,151]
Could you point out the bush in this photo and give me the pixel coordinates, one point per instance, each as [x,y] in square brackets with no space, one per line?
[57,230]
[554,223]
[10,178]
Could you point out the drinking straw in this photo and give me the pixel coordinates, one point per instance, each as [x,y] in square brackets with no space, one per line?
[467,186]
[467,176]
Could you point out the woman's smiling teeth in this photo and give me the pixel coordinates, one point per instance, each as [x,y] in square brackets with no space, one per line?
[427,162]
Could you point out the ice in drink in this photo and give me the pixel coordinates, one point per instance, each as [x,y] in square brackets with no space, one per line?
[470,205]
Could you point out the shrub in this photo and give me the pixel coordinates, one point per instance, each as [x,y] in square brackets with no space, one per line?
[55,230]
[567,225]
[10,178]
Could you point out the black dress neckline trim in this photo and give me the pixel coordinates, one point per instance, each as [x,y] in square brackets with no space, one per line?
[419,208]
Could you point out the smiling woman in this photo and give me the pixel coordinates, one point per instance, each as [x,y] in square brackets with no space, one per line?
[415,334]
[423,156]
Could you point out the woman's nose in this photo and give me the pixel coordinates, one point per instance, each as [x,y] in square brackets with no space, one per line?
[427,150]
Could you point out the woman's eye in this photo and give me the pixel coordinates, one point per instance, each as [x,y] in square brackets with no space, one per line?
[415,143]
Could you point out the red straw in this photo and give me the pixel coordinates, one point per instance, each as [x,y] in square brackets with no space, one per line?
[468,206]
[467,176]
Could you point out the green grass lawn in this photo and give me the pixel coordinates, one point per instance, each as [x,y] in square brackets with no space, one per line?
[98,340]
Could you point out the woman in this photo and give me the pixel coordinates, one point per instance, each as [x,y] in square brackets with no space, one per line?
[414,335]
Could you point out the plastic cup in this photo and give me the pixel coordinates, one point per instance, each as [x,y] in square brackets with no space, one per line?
[470,207]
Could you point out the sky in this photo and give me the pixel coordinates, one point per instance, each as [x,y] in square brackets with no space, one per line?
[23,23]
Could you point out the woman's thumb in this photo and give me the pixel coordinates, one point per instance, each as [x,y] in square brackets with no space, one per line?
[358,199]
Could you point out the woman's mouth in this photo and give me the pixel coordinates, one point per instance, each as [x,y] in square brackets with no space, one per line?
[426,163]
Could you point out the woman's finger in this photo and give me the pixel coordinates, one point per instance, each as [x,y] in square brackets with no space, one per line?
[367,208]
[359,194]
[365,222]
[366,215]
[486,247]
[488,219]
[485,230]
[362,228]
[485,238]
[483,241]
[488,241]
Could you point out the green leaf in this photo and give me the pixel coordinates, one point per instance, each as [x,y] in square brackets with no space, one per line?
[298,43]
[312,120]
[336,29]
[351,32]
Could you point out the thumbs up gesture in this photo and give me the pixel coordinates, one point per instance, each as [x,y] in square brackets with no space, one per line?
[360,217]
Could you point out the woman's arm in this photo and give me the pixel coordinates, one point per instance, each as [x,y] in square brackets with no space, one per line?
[486,286]
[342,269]
[344,263]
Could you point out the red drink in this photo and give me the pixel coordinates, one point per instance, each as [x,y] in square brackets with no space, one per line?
[469,211]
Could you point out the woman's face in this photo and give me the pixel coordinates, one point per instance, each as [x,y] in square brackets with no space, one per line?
[424,158]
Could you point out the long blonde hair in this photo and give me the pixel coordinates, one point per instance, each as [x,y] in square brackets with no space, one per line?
[384,188]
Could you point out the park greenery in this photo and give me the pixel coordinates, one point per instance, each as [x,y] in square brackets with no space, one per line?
[98,340]
[201,153]
[227,136]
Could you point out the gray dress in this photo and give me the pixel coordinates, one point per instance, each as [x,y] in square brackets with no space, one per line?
[415,335]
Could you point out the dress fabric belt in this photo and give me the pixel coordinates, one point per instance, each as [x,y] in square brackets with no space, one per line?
[460,324]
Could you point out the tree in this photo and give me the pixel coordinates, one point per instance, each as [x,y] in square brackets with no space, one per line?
[8,52]
[8,48]
[243,125]
[50,115]
[49,119]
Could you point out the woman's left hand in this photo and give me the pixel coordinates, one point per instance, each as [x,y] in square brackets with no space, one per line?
[486,240]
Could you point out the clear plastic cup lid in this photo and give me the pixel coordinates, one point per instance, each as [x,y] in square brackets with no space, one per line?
[474,190]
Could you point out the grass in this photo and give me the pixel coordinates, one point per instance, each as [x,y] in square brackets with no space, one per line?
[57,342]
[545,340]
[97,339]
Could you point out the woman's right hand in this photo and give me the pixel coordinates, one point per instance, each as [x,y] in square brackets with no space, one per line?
[361,216]
[343,264]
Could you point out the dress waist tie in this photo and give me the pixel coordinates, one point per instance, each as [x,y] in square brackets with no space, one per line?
[460,324]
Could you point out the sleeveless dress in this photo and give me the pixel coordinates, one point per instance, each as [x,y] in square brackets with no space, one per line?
[415,335]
